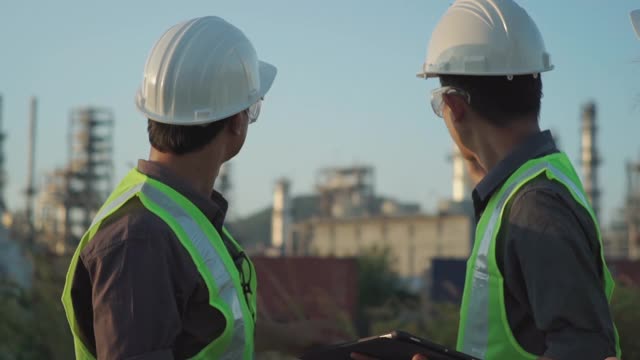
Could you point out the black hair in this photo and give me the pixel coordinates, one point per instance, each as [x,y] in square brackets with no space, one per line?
[498,98]
[181,139]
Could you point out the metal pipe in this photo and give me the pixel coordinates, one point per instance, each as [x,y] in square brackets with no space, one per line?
[33,103]
[590,158]
[3,206]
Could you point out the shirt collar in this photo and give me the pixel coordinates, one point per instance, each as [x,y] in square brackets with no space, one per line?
[213,207]
[535,146]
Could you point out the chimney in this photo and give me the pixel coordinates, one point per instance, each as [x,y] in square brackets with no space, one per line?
[281,217]
[30,191]
[3,174]
[461,179]
[589,156]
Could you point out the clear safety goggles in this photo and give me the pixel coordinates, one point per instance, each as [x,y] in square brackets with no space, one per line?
[254,111]
[437,102]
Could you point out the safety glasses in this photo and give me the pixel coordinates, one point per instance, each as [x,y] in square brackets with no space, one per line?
[437,102]
[254,111]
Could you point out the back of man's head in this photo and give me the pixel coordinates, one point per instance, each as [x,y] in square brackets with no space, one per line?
[499,99]
[181,140]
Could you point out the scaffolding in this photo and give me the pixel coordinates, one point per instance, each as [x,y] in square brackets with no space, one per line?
[623,236]
[632,210]
[50,215]
[89,176]
[346,192]
[72,195]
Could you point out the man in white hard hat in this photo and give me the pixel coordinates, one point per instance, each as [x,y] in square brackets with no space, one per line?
[537,285]
[157,275]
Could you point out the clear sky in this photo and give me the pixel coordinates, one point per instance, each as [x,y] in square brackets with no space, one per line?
[345,93]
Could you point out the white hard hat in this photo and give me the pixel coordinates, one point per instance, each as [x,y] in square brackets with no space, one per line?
[635,21]
[201,71]
[486,37]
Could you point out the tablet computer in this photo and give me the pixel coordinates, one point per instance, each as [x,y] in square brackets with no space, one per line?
[396,345]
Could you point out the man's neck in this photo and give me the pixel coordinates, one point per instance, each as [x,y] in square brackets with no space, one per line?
[197,169]
[497,143]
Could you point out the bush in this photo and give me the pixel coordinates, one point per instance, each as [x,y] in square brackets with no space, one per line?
[34,326]
[625,307]
[33,323]
[385,305]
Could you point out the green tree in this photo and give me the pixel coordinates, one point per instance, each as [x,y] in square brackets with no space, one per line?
[385,303]
[381,292]
[377,282]
[625,307]
[33,323]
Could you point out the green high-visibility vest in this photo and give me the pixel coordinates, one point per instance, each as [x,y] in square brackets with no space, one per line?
[484,330]
[209,254]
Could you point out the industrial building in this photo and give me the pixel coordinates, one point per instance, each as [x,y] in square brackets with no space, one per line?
[344,215]
[15,266]
[346,193]
[412,240]
[51,212]
[460,201]
[71,196]
[3,174]
[281,217]
[349,219]
[589,157]
[623,236]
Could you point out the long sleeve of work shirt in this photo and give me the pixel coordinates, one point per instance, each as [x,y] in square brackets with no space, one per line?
[553,275]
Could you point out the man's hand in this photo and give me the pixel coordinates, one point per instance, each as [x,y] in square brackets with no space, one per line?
[356,356]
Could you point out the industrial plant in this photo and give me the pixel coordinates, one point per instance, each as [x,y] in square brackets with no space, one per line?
[344,217]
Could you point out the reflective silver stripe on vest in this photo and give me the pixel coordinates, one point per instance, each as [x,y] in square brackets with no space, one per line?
[575,188]
[223,280]
[476,336]
[116,203]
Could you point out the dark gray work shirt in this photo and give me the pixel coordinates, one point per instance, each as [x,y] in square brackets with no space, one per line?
[136,292]
[549,255]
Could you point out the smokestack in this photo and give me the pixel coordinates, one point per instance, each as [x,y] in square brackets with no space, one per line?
[461,179]
[3,174]
[589,156]
[281,218]
[223,182]
[224,185]
[30,191]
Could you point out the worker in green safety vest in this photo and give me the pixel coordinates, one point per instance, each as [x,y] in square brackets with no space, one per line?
[157,275]
[537,284]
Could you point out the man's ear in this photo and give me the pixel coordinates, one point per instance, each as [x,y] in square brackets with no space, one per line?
[457,105]
[237,124]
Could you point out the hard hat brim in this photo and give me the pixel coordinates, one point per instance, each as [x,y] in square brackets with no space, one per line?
[267,75]
[428,75]
[635,21]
